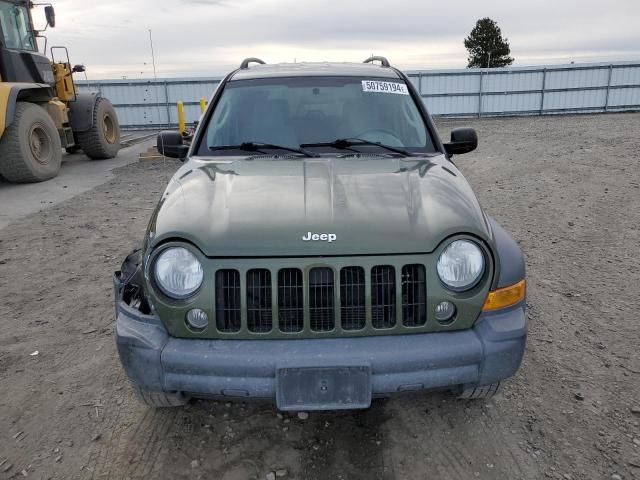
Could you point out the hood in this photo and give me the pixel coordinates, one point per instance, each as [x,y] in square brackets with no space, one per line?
[246,207]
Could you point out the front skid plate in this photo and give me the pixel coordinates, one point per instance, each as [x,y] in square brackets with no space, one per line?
[323,388]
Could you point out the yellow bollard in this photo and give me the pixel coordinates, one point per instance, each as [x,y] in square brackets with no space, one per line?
[181,124]
[203,104]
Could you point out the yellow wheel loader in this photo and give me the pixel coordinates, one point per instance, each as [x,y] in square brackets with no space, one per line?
[41,112]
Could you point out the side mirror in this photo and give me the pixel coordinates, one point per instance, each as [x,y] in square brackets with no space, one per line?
[50,15]
[463,140]
[170,144]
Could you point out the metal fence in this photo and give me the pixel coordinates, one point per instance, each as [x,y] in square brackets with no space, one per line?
[152,103]
[542,90]
[528,90]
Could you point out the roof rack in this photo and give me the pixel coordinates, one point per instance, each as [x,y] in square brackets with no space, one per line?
[374,58]
[245,63]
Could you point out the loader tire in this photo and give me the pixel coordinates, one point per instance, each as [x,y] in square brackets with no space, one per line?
[160,399]
[30,148]
[102,140]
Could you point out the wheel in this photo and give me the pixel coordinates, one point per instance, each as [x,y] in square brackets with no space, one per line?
[102,140]
[160,399]
[485,391]
[30,148]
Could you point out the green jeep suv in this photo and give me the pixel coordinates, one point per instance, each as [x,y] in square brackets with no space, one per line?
[319,248]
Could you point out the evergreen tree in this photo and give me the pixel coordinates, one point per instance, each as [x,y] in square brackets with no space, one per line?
[487,48]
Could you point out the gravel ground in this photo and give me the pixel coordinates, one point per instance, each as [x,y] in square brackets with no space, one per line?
[568,188]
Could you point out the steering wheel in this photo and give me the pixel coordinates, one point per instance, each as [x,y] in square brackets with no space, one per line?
[395,141]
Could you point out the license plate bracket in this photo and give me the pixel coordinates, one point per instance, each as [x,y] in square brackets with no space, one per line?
[323,388]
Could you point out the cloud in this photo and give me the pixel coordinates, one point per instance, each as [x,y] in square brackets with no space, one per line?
[210,37]
[212,3]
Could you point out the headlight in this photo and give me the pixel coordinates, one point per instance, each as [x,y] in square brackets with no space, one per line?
[178,272]
[461,265]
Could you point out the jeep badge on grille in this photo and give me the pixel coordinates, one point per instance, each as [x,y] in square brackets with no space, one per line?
[320,237]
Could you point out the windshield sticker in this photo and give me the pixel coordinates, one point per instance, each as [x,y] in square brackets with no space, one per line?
[384,87]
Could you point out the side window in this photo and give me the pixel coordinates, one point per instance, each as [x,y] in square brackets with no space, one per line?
[26,36]
[6,25]
[221,129]
[14,21]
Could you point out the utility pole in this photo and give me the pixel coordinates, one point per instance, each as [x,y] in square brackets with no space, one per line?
[155,76]
[153,57]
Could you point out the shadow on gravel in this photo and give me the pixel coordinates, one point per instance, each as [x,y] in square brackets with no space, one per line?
[233,441]
[412,437]
[438,436]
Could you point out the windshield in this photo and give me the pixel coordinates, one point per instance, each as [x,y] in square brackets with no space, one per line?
[14,23]
[313,110]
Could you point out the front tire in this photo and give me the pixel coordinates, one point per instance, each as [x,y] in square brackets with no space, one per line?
[30,148]
[160,399]
[102,140]
[485,391]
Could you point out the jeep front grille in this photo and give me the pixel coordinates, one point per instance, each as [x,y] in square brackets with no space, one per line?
[352,298]
[228,305]
[383,296]
[321,307]
[321,298]
[259,302]
[414,296]
[290,300]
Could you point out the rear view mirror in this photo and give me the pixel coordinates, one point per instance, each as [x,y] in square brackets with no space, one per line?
[170,144]
[50,15]
[463,140]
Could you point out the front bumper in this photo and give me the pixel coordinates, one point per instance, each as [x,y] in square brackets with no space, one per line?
[489,352]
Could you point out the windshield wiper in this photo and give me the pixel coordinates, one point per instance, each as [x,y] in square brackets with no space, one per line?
[345,143]
[258,146]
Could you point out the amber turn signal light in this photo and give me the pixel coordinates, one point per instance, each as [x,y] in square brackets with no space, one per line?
[505,297]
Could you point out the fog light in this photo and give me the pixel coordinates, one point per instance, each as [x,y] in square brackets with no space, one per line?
[445,312]
[197,319]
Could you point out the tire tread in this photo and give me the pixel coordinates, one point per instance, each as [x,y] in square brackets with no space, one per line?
[160,399]
[479,392]
[90,141]
[12,165]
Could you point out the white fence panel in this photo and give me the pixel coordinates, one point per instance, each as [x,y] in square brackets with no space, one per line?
[452,105]
[624,98]
[450,83]
[577,78]
[511,82]
[506,103]
[575,100]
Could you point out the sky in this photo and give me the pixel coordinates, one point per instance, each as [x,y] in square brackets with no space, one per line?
[211,37]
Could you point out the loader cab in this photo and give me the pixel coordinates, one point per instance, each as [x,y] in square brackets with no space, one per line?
[20,60]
